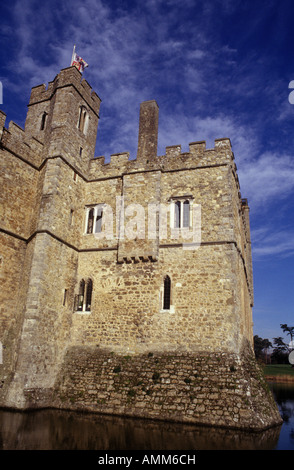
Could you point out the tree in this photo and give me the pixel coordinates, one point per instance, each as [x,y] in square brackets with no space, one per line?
[266,345]
[261,347]
[281,351]
[288,329]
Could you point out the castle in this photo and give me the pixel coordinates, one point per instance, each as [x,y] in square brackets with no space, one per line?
[126,285]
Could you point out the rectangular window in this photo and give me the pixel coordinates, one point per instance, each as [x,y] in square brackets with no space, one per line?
[181,212]
[177,214]
[166,293]
[83,300]
[98,226]
[94,219]
[90,220]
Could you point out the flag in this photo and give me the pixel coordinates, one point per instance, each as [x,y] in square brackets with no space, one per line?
[77,61]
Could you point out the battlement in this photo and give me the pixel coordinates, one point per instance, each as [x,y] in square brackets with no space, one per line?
[16,141]
[147,158]
[173,159]
[69,76]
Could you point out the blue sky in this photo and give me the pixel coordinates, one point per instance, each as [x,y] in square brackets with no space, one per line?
[217,68]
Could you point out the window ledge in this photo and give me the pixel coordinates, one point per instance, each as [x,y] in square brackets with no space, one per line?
[170,310]
[79,312]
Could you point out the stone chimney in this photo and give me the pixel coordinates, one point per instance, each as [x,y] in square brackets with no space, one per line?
[148,130]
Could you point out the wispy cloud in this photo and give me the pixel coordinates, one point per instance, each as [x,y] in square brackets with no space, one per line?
[267,178]
[270,241]
[206,84]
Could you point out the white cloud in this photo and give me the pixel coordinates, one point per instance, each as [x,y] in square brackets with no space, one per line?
[269,177]
[269,241]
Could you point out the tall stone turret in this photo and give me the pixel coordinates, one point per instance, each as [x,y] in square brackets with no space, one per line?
[64,117]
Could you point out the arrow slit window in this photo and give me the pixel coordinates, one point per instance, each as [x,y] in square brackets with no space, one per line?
[166,293]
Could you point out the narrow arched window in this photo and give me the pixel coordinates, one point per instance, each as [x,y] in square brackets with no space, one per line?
[79,299]
[43,121]
[98,225]
[83,119]
[166,293]
[89,295]
[177,214]
[83,299]
[186,213]
[82,287]
[90,221]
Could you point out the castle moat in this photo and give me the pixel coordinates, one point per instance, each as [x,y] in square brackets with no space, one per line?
[64,430]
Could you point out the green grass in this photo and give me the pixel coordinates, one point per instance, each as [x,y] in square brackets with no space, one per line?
[279,369]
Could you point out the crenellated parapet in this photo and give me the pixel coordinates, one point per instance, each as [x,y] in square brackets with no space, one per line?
[69,76]
[17,142]
[64,117]
[173,160]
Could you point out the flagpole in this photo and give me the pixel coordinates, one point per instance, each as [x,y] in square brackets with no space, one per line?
[73,54]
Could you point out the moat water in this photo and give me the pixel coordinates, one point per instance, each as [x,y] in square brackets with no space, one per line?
[62,430]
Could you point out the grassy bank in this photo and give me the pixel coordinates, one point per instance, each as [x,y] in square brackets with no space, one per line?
[279,372]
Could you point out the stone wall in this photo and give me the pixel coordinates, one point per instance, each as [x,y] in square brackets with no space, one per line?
[127,313]
[218,389]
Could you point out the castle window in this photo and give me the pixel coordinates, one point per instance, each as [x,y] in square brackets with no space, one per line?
[181,212]
[83,120]
[79,298]
[89,295]
[186,213]
[98,226]
[166,303]
[94,219]
[166,293]
[177,214]
[43,121]
[83,299]
[71,217]
[90,221]
[65,292]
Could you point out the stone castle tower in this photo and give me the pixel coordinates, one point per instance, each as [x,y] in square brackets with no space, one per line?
[126,286]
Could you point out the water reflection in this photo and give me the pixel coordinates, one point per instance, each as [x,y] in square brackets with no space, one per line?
[284,396]
[61,430]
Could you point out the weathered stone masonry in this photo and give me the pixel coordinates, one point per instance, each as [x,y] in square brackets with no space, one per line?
[140,325]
